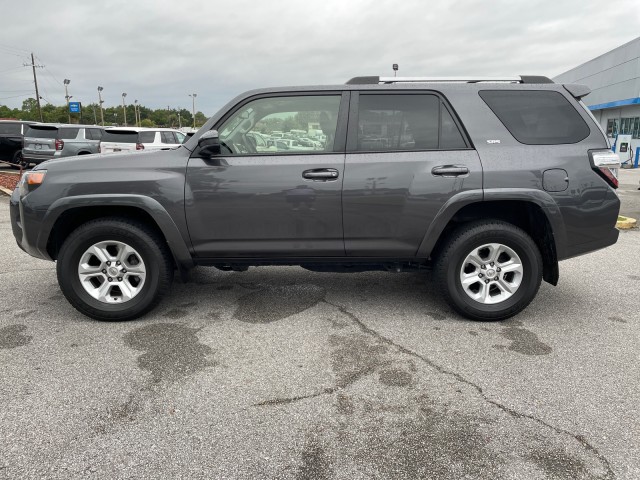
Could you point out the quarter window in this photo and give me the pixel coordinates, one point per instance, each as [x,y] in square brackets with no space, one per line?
[147,137]
[405,122]
[278,125]
[537,117]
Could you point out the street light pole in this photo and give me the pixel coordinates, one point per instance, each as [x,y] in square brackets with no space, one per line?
[101,102]
[179,120]
[193,97]
[124,109]
[67,97]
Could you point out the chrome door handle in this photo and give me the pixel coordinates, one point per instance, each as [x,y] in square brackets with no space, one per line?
[321,174]
[450,170]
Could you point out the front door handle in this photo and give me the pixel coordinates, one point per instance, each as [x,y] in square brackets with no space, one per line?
[450,170]
[321,174]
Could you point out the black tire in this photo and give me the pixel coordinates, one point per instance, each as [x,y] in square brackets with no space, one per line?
[147,242]
[16,160]
[461,242]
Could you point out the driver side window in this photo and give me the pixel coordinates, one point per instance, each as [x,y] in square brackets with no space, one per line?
[282,125]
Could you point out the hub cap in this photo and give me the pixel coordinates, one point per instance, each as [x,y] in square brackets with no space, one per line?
[491,273]
[112,272]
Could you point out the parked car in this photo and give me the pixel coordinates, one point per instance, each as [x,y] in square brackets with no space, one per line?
[125,139]
[45,141]
[490,182]
[11,141]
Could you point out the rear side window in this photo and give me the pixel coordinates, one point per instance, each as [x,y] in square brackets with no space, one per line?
[120,136]
[405,122]
[67,133]
[537,117]
[146,137]
[35,132]
[167,137]
[10,128]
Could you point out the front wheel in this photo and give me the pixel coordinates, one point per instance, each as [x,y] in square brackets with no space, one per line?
[489,270]
[114,269]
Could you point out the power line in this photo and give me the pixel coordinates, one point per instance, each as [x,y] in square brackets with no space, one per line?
[16,96]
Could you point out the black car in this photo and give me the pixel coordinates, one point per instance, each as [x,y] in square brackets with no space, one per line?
[491,181]
[11,141]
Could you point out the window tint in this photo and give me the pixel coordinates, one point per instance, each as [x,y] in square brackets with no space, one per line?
[120,136]
[10,128]
[93,134]
[537,117]
[398,122]
[300,125]
[35,132]
[67,133]
[167,137]
[147,137]
[450,136]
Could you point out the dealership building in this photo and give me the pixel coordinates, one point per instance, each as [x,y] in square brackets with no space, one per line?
[614,79]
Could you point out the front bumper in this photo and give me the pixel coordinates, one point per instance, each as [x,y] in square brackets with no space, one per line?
[25,238]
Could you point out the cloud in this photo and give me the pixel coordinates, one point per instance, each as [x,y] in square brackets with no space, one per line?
[160,51]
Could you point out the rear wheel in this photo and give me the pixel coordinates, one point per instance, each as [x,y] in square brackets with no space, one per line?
[16,161]
[114,269]
[489,270]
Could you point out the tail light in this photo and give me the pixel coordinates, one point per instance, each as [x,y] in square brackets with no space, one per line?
[139,146]
[606,164]
[59,144]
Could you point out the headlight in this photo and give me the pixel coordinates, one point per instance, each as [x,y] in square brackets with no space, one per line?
[31,180]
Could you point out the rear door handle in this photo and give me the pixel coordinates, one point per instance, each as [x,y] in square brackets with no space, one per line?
[449,170]
[321,174]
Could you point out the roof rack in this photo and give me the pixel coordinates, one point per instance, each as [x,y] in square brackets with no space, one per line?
[389,80]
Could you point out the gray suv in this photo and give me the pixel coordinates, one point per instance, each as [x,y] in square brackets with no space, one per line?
[488,181]
[46,141]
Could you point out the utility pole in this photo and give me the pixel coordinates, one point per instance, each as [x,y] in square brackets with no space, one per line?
[67,97]
[35,81]
[135,111]
[193,97]
[124,109]
[179,120]
[101,102]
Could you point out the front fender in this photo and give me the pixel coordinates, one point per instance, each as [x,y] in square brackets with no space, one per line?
[175,240]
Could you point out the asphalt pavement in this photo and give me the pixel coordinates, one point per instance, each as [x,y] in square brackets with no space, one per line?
[285,373]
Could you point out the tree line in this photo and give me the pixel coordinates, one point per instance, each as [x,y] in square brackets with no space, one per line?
[90,114]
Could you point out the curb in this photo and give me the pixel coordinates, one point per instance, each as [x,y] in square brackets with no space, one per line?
[6,191]
[626,223]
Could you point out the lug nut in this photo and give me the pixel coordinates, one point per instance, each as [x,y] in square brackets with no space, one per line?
[110,279]
[124,270]
[108,262]
[117,263]
[104,271]
[491,264]
[498,269]
[483,266]
[496,279]
[119,279]
[486,281]
[480,275]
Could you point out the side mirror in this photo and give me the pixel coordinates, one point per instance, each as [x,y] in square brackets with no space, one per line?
[209,144]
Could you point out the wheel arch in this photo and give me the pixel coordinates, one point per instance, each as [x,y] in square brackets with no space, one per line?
[68,213]
[532,210]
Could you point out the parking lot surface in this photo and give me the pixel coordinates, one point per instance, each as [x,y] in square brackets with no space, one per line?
[285,373]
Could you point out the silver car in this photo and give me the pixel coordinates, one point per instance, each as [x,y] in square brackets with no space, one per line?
[46,141]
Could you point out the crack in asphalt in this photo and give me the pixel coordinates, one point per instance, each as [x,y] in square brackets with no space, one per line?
[579,438]
[439,368]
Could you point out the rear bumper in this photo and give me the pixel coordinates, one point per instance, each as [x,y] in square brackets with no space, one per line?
[36,158]
[605,241]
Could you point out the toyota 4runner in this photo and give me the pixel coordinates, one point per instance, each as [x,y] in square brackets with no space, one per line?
[490,181]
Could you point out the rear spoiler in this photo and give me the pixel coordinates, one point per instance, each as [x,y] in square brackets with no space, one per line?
[578,91]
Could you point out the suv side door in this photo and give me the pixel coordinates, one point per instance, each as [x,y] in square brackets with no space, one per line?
[407,156]
[259,202]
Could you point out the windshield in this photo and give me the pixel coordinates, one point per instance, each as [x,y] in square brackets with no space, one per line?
[42,132]
[120,136]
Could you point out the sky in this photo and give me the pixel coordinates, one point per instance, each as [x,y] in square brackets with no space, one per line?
[159,51]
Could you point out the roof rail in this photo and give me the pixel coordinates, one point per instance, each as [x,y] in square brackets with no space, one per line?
[515,79]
